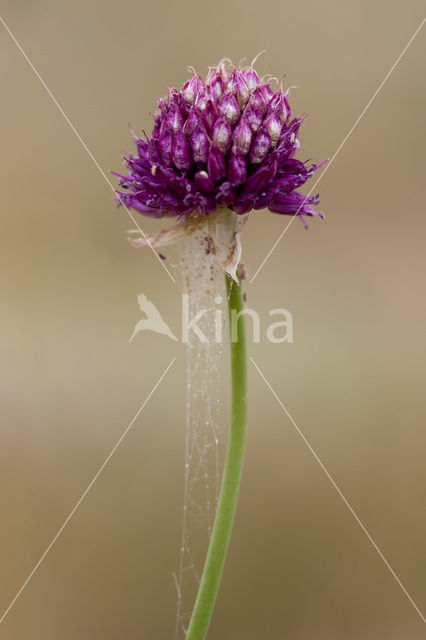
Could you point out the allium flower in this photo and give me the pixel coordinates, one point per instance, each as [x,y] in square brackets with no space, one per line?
[228,142]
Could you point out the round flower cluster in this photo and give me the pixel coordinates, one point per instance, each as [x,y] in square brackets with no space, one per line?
[226,142]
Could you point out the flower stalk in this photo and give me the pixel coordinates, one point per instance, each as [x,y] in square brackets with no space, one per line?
[231,479]
[219,149]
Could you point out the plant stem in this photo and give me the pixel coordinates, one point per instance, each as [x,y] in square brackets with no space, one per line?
[231,479]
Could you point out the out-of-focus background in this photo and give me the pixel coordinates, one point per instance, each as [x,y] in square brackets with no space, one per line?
[299,566]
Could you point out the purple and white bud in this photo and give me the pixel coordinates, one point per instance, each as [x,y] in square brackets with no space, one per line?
[221,68]
[277,106]
[142,148]
[201,99]
[241,90]
[153,152]
[251,78]
[267,92]
[200,144]
[230,85]
[242,136]
[209,115]
[237,171]
[216,164]
[257,100]
[217,86]
[181,152]
[260,147]
[174,118]
[222,134]
[253,117]
[228,107]
[204,182]
[192,121]
[165,146]
[273,127]
[192,88]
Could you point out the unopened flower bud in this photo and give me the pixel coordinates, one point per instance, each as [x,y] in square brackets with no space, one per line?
[217,86]
[241,90]
[181,152]
[200,144]
[165,147]
[260,147]
[192,88]
[222,134]
[273,127]
[216,164]
[237,171]
[242,136]
[257,100]
[201,100]
[277,106]
[253,117]
[221,68]
[192,121]
[228,107]
[174,118]
[267,92]
[209,115]
[251,78]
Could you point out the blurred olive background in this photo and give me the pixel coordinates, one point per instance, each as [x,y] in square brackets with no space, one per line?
[299,565]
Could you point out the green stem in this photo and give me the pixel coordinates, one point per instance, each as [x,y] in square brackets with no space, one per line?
[231,479]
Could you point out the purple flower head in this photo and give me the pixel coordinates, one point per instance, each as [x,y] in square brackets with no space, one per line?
[228,141]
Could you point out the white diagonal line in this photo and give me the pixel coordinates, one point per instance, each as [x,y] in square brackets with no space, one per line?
[329,163]
[339,491]
[84,494]
[84,145]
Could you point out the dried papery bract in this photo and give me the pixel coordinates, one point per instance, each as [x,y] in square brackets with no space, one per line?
[203,300]
[220,232]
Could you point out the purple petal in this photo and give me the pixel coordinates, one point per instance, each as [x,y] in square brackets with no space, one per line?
[243,204]
[200,144]
[192,121]
[277,107]
[204,182]
[222,134]
[225,194]
[241,90]
[181,151]
[216,165]
[174,118]
[165,147]
[228,107]
[260,147]
[295,203]
[192,88]
[251,78]
[209,115]
[273,126]
[260,178]
[242,136]
[253,116]
[200,202]
[237,170]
